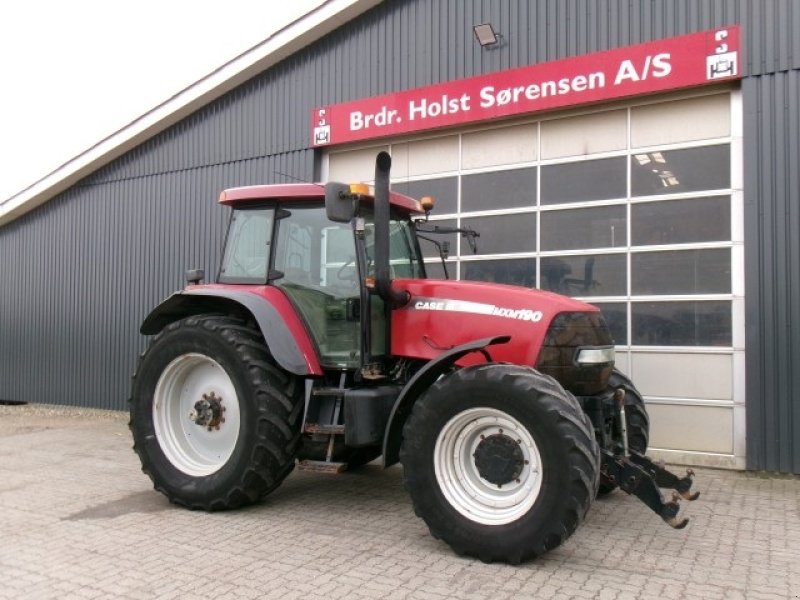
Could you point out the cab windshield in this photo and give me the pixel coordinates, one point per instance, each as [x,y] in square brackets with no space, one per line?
[405,260]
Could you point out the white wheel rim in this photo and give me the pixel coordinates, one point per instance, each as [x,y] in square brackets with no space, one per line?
[190,447]
[460,480]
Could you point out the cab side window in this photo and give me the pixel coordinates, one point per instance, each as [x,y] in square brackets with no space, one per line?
[246,256]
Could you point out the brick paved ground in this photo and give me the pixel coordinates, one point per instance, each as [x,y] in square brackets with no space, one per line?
[79,520]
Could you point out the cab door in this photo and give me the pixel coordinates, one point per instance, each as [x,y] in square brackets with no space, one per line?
[315,264]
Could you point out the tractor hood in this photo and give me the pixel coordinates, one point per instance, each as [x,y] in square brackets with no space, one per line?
[443,314]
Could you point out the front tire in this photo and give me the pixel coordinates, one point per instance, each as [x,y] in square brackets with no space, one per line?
[215,423]
[500,462]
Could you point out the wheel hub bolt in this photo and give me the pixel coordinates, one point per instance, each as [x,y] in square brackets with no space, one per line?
[498,459]
[207,412]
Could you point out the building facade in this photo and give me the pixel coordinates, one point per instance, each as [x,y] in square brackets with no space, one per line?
[675,209]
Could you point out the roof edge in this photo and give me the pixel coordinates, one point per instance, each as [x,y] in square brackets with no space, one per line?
[280,45]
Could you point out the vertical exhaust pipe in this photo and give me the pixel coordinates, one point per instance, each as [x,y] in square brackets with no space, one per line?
[383,280]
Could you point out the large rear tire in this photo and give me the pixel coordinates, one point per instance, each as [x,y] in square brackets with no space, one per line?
[500,462]
[215,422]
[637,423]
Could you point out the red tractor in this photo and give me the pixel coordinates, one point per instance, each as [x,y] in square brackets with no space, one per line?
[323,343]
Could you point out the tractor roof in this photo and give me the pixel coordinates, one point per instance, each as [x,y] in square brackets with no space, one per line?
[301,192]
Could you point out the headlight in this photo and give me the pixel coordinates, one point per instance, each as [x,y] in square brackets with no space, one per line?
[595,356]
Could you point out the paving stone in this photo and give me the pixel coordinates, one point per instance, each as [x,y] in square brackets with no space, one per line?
[80,520]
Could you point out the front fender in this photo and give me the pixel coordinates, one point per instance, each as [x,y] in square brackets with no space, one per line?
[421,381]
[286,337]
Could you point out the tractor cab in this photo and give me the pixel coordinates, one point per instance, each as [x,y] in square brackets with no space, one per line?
[317,244]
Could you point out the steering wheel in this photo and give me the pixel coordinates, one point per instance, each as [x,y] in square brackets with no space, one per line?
[343,274]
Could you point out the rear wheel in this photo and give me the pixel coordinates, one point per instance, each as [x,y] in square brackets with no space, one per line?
[215,423]
[500,462]
[636,420]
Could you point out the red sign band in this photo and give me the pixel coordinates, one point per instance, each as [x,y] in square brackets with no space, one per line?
[669,64]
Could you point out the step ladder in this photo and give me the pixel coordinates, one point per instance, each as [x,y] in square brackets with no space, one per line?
[314,398]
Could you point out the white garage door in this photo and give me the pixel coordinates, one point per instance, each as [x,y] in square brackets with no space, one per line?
[636,208]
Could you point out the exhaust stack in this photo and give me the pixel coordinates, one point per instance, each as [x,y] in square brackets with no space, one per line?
[383,280]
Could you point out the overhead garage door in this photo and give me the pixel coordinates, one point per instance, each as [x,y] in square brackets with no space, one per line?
[636,208]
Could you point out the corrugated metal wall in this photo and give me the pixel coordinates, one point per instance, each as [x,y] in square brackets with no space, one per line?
[80,273]
[772,264]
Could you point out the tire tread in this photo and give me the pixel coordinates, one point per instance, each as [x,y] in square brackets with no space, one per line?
[566,418]
[277,430]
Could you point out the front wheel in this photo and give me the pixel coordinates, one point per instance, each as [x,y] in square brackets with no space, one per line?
[215,423]
[500,462]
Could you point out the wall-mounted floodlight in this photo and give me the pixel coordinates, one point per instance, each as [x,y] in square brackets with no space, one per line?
[486,34]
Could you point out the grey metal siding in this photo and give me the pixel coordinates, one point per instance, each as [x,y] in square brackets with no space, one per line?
[80,272]
[772,281]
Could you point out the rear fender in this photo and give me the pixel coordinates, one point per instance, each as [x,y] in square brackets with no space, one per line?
[421,381]
[286,337]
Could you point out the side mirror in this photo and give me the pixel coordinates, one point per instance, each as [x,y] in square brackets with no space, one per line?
[340,204]
[195,276]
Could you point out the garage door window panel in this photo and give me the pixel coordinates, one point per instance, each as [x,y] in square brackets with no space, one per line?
[681,272]
[503,234]
[444,191]
[679,171]
[685,221]
[425,157]
[600,227]
[672,122]
[584,181]
[498,147]
[499,189]
[698,323]
[585,135]
[520,271]
[585,275]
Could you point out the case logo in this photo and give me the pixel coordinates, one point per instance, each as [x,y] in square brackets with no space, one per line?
[478,308]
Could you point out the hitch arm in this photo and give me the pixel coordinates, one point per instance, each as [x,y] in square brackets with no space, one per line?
[665,479]
[642,478]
